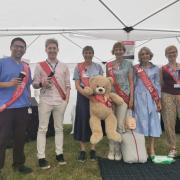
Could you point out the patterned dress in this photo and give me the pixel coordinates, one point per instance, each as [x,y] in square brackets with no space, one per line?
[145,110]
[121,74]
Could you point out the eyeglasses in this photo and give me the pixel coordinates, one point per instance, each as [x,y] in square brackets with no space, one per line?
[142,54]
[88,53]
[171,52]
[19,47]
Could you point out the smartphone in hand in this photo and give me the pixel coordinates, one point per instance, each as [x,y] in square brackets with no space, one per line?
[21,76]
[51,74]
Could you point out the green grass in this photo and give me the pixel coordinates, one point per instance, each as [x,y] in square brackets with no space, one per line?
[73,170]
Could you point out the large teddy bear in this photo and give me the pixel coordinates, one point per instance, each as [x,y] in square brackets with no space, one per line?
[101,99]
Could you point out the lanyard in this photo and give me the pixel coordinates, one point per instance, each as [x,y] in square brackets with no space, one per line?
[53,68]
[175,72]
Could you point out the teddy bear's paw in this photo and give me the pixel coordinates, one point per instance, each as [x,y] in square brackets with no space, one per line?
[88,91]
[120,102]
[116,137]
[95,138]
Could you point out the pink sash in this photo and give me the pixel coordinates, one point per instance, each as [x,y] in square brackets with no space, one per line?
[19,90]
[147,83]
[117,87]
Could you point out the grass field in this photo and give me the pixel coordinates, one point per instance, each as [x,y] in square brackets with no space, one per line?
[73,170]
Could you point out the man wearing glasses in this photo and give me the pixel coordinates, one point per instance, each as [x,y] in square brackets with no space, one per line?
[15,80]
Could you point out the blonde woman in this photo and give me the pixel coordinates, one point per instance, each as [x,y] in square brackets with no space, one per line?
[170,74]
[147,91]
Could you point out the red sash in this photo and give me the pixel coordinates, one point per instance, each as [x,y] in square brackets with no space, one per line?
[166,68]
[19,90]
[135,142]
[117,87]
[100,98]
[82,70]
[48,71]
[147,82]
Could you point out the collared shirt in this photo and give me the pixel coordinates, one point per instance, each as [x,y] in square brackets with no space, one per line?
[153,74]
[51,95]
[9,69]
[92,70]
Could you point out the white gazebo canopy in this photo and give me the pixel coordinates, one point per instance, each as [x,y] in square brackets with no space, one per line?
[95,22]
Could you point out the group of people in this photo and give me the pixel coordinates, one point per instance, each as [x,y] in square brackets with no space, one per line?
[145,89]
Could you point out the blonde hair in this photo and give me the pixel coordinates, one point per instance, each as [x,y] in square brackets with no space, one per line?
[118,45]
[170,48]
[147,50]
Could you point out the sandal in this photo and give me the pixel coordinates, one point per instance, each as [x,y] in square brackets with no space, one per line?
[172,153]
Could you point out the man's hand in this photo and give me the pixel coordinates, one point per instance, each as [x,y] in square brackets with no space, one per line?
[15,82]
[47,83]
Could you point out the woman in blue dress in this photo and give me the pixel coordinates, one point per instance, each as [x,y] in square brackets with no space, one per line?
[145,108]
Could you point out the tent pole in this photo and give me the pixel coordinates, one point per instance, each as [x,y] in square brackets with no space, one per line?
[77,45]
[167,6]
[112,13]
[178,40]
[33,41]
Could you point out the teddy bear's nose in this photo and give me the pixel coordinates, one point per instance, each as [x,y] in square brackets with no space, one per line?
[100,89]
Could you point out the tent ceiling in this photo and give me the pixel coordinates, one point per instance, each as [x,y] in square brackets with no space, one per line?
[77,23]
[62,16]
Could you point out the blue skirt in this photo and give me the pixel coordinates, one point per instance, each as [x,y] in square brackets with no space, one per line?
[82,131]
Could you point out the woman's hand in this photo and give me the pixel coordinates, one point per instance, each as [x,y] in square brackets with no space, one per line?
[130,123]
[159,107]
[130,105]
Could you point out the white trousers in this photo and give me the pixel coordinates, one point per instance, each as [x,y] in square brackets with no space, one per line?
[45,111]
[121,113]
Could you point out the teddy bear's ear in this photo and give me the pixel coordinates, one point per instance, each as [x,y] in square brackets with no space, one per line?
[111,80]
[91,80]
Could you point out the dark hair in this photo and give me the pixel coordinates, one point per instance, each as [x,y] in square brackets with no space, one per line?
[18,39]
[88,48]
[118,45]
[51,41]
